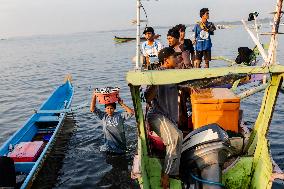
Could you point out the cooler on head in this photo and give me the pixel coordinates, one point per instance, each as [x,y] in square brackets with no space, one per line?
[107,95]
[27,151]
[216,105]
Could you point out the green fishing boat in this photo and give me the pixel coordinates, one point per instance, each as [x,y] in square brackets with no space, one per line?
[239,159]
[126,39]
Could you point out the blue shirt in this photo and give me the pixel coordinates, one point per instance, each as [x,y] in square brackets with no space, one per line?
[203,39]
[114,132]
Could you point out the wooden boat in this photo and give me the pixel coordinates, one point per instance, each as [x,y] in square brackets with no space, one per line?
[126,39]
[43,125]
[252,165]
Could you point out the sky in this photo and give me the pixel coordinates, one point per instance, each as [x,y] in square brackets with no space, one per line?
[40,17]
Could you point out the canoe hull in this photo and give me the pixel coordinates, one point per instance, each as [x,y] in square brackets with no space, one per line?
[60,99]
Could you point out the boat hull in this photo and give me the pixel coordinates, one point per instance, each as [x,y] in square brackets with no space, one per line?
[126,39]
[60,99]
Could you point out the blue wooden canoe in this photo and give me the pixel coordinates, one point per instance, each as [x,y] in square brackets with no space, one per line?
[43,125]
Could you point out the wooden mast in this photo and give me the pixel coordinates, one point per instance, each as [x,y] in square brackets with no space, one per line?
[138,4]
[271,59]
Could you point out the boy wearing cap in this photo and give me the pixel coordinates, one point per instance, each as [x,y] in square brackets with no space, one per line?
[183,60]
[202,32]
[163,117]
[113,125]
[151,47]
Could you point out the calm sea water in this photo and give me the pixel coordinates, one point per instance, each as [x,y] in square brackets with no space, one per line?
[32,67]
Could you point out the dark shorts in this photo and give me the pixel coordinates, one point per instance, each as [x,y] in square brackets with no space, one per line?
[205,54]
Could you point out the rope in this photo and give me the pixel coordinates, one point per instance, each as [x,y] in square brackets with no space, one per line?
[206,181]
[145,14]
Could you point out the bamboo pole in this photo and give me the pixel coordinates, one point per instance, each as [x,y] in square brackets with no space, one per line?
[256,27]
[256,41]
[138,34]
[271,59]
[252,91]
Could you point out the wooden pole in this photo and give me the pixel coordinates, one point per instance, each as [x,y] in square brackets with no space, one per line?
[256,41]
[252,91]
[138,4]
[271,59]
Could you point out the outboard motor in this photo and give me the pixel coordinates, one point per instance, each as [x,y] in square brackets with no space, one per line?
[7,172]
[204,152]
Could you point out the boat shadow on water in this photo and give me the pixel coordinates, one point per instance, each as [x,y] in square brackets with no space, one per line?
[119,176]
[48,177]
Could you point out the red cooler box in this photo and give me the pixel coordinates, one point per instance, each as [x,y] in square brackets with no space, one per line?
[27,151]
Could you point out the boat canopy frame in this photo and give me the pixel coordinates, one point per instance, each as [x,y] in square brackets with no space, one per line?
[250,168]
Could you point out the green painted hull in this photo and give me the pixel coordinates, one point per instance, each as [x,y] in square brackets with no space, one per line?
[126,39]
[254,168]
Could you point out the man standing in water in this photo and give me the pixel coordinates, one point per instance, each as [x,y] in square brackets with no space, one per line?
[113,125]
[151,47]
[162,115]
[203,31]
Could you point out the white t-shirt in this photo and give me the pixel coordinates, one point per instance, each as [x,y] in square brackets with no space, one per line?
[153,50]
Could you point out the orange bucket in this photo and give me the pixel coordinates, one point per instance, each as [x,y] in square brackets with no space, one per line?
[107,95]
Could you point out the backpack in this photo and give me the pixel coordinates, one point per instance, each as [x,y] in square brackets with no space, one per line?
[245,55]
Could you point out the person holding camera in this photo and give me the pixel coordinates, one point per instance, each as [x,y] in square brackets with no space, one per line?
[202,40]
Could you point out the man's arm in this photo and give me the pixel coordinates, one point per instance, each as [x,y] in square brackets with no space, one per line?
[195,34]
[93,103]
[94,109]
[125,107]
[192,57]
[150,93]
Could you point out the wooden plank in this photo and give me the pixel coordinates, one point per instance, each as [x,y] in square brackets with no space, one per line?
[266,111]
[52,111]
[172,76]
[271,33]
[24,167]
[142,144]
[259,146]
[47,119]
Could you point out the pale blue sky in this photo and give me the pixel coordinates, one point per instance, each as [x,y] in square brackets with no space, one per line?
[34,17]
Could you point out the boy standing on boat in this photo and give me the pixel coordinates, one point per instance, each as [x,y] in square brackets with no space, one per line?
[151,47]
[113,125]
[183,59]
[163,117]
[202,32]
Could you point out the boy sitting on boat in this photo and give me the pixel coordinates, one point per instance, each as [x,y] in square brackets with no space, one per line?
[202,32]
[151,47]
[113,125]
[162,117]
[183,59]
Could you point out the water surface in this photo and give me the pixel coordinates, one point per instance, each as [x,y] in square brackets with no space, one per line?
[31,68]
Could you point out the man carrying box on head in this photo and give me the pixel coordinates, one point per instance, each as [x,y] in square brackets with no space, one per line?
[113,125]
